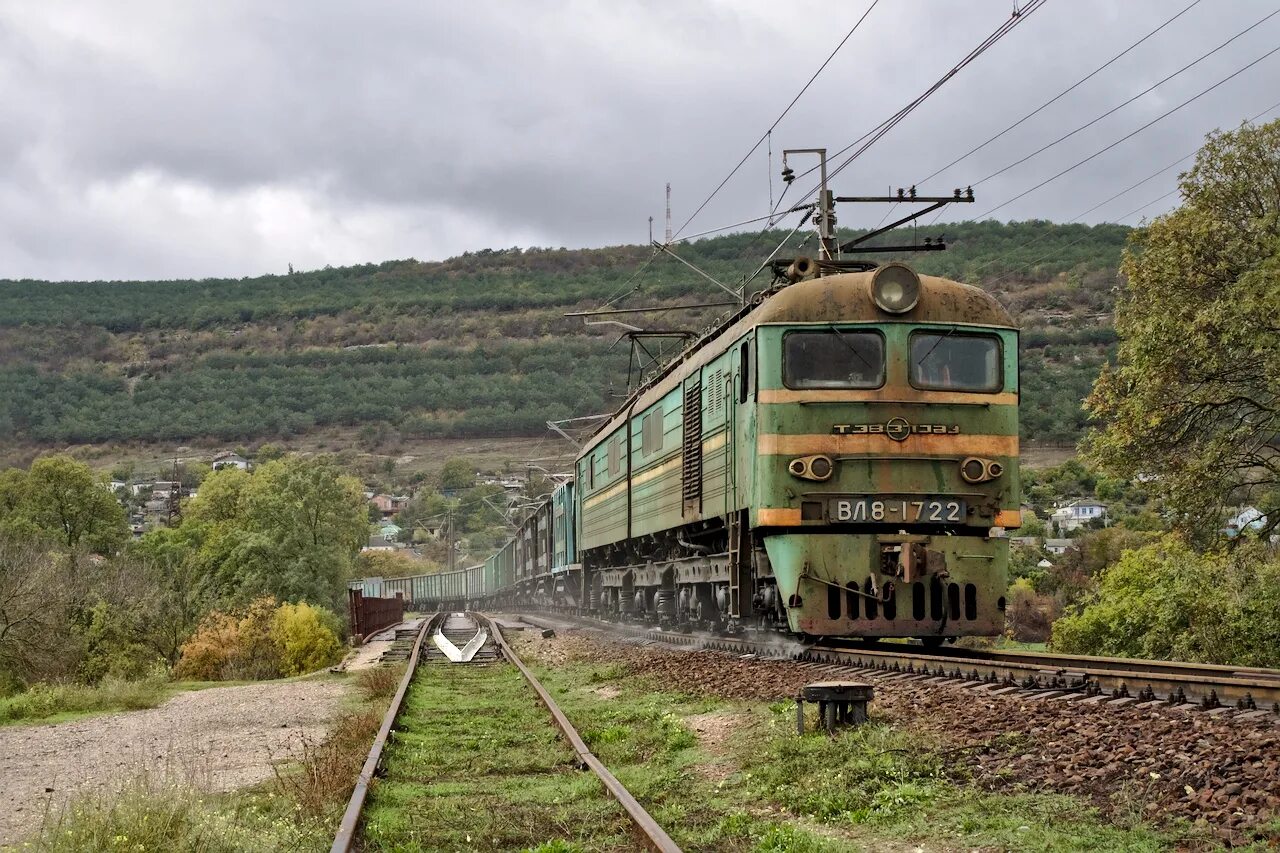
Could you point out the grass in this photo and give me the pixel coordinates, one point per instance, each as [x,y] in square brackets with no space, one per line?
[45,702]
[142,815]
[478,764]
[880,780]
[864,788]
[298,809]
[58,702]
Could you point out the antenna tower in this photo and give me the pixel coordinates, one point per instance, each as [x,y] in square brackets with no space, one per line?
[668,241]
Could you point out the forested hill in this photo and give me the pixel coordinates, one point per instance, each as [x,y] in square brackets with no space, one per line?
[472,346]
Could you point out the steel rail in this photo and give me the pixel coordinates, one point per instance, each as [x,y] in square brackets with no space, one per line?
[346,836]
[1210,686]
[654,835]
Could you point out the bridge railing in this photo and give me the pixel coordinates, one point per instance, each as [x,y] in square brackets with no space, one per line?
[370,615]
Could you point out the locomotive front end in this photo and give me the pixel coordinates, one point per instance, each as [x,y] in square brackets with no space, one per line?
[886,456]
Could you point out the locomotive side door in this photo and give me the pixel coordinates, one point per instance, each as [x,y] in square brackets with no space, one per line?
[741,444]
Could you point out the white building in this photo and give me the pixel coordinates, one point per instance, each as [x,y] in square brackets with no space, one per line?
[1077,514]
[1058,546]
[228,459]
[1249,518]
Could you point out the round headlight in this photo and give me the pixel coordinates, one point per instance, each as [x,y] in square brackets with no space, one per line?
[973,470]
[820,467]
[895,288]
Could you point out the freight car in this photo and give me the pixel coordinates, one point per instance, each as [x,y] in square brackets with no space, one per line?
[840,458]
[455,590]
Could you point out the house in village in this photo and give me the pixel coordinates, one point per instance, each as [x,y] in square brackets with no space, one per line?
[1247,519]
[378,542]
[1058,546]
[1077,514]
[229,459]
[389,505]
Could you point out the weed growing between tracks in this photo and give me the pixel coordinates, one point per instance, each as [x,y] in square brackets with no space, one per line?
[761,787]
[477,763]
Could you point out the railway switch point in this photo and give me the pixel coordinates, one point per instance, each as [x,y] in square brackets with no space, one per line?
[839,703]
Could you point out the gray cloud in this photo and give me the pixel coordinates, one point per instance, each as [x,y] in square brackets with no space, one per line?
[154,139]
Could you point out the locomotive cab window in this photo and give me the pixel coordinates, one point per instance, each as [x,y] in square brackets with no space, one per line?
[833,358]
[946,361]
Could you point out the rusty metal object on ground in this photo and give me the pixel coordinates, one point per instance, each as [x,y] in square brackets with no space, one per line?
[840,703]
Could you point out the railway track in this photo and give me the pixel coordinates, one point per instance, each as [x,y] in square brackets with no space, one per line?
[1214,689]
[449,639]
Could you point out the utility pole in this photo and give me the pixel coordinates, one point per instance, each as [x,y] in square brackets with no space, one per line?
[448,538]
[824,217]
[175,496]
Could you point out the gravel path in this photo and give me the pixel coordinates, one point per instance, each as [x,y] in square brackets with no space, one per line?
[1171,764]
[218,739]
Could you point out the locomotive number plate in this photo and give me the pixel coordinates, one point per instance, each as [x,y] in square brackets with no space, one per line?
[903,510]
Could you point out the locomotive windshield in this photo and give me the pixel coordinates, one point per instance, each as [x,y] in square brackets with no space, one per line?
[951,362]
[833,359]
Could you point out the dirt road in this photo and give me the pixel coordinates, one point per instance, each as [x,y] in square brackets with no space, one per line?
[218,739]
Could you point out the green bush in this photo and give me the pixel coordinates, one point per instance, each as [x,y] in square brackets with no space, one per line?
[1167,601]
[111,694]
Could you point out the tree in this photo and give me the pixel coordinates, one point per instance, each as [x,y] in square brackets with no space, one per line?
[309,501]
[389,564]
[60,498]
[268,452]
[1194,397]
[481,508]
[1167,601]
[219,498]
[458,473]
[33,602]
[289,530]
[192,474]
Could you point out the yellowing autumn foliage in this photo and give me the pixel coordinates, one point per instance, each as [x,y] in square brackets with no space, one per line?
[264,640]
[305,637]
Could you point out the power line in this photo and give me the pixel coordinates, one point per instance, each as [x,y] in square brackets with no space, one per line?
[619,293]
[1064,92]
[779,119]
[1129,135]
[871,137]
[1080,239]
[1121,106]
[1030,243]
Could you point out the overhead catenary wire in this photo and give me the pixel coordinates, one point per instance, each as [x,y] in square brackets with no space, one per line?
[1027,265]
[1030,243]
[1063,93]
[1125,103]
[871,137]
[766,135]
[1129,135]
[1119,219]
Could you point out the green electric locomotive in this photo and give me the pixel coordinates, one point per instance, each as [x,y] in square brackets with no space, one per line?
[839,459]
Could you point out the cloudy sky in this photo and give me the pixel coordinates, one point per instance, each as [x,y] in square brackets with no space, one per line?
[175,139]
